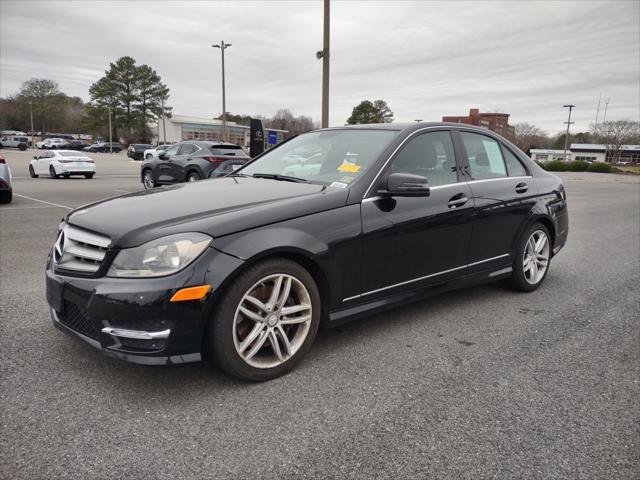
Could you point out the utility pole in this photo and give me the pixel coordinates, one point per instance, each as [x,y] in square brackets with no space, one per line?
[164,127]
[598,111]
[568,122]
[418,120]
[225,135]
[325,65]
[31,112]
[110,133]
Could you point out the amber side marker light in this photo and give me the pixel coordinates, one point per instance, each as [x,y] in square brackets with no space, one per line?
[191,293]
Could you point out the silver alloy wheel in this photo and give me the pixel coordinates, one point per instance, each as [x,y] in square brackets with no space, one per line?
[272,321]
[194,177]
[535,259]
[147,180]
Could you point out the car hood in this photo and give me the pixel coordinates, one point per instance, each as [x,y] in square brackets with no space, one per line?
[216,207]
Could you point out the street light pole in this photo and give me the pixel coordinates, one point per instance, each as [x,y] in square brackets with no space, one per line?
[325,65]
[164,127]
[110,133]
[568,122]
[31,112]
[225,135]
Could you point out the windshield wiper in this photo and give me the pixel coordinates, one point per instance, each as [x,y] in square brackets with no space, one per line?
[284,178]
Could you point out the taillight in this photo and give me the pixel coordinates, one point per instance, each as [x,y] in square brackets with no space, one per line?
[215,159]
[2,160]
[562,193]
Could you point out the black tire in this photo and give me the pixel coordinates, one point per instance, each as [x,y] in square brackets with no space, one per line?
[193,177]
[52,172]
[518,280]
[220,347]
[32,172]
[147,180]
[149,156]
[66,176]
[6,196]
[0,145]
[88,176]
[22,147]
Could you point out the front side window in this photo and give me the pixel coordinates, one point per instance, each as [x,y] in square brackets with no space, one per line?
[170,152]
[187,149]
[326,157]
[429,155]
[485,158]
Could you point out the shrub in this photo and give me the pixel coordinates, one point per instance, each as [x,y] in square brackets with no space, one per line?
[578,166]
[599,167]
[556,166]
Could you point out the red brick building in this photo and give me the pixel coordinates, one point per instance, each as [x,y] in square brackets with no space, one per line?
[496,122]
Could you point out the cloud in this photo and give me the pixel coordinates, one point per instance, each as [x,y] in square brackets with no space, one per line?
[426,59]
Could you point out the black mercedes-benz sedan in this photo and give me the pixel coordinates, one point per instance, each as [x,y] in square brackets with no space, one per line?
[328,226]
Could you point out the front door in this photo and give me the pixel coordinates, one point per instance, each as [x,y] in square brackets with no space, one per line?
[504,194]
[180,162]
[410,242]
[165,172]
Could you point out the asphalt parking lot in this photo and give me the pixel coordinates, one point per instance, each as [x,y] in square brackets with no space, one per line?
[478,383]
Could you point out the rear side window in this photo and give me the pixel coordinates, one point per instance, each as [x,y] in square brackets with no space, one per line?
[485,157]
[514,166]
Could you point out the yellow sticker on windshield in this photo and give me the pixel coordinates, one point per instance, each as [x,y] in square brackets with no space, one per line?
[349,168]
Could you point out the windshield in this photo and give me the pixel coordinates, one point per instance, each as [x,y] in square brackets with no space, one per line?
[325,156]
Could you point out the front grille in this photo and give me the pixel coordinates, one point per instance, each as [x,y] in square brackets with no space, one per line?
[74,318]
[79,251]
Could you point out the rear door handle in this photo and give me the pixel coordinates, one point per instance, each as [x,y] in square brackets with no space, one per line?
[457,200]
[522,187]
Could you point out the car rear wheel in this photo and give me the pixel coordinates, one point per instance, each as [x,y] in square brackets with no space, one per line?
[193,177]
[532,259]
[22,147]
[6,196]
[147,180]
[32,172]
[266,321]
[88,175]
[52,172]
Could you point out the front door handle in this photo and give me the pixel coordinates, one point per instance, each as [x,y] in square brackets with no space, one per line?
[188,159]
[457,200]
[522,187]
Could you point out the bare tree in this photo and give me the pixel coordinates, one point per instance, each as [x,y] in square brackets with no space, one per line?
[614,134]
[285,120]
[527,136]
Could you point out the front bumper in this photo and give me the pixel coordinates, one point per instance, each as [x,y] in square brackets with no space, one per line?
[133,319]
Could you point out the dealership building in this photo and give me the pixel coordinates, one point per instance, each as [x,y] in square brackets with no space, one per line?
[181,127]
[588,152]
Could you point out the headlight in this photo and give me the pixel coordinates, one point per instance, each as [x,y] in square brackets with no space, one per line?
[159,257]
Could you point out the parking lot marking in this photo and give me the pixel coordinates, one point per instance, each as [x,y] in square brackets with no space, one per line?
[42,201]
[39,207]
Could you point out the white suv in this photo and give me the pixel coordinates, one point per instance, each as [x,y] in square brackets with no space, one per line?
[14,141]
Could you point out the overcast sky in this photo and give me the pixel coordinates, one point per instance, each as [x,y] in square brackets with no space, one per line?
[426,59]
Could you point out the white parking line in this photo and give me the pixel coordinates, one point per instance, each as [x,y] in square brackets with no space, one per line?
[42,201]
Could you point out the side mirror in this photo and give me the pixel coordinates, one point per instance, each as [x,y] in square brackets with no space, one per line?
[35,157]
[406,185]
[163,156]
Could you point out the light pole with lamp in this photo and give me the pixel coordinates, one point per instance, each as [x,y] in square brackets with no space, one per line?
[568,122]
[225,135]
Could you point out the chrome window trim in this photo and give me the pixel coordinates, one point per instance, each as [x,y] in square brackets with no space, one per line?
[425,277]
[482,180]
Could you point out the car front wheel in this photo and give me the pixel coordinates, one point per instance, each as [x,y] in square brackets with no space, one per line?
[32,172]
[266,321]
[147,180]
[532,259]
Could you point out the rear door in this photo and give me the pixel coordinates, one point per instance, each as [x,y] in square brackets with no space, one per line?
[410,242]
[180,162]
[503,193]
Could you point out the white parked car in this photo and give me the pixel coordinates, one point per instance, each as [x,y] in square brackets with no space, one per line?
[51,143]
[154,152]
[62,163]
[14,141]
